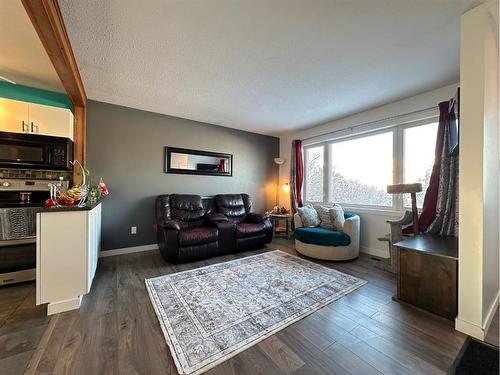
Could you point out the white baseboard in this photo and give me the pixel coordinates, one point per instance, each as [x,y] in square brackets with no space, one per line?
[127,250]
[474,330]
[62,306]
[469,329]
[375,252]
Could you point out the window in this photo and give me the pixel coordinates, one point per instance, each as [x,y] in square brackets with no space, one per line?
[356,170]
[362,177]
[419,148]
[314,160]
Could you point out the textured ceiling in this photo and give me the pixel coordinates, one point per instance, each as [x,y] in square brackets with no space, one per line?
[22,56]
[266,66]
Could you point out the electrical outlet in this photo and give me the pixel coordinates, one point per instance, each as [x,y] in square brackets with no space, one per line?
[133,230]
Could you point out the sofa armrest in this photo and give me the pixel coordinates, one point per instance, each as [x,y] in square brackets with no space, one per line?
[254,218]
[297,221]
[170,224]
[351,225]
[227,232]
[215,218]
[168,242]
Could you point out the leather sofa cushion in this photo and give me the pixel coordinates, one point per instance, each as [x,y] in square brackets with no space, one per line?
[322,236]
[197,236]
[250,229]
[186,207]
[231,205]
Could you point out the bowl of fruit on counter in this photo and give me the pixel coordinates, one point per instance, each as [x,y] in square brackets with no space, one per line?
[73,196]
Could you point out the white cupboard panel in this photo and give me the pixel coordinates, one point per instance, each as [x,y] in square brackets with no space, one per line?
[12,115]
[68,245]
[94,243]
[62,247]
[51,120]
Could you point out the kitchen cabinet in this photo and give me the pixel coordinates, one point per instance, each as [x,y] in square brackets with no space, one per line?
[13,116]
[22,117]
[52,121]
[67,246]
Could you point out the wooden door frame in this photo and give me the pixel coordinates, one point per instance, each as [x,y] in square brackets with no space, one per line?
[46,17]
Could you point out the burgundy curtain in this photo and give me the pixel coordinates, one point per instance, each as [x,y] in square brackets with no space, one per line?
[296,174]
[429,209]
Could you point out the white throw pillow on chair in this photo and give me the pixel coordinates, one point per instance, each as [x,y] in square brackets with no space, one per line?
[309,216]
[325,216]
[337,217]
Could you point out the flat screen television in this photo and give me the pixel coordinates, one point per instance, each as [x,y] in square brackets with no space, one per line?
[454,128]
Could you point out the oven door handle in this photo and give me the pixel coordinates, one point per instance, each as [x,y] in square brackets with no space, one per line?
[20,241]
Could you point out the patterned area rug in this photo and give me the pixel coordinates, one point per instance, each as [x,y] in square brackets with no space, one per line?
[212,313]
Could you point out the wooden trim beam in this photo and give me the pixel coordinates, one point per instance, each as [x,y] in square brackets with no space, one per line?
[47,20]
[80,141]
[46,17]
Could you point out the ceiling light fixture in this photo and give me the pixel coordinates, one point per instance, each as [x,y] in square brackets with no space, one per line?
[2,78]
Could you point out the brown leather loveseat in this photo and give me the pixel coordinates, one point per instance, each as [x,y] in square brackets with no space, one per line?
[190,227]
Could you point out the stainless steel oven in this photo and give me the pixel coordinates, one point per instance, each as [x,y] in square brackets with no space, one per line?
[19,201]
[33,151]
[17,260]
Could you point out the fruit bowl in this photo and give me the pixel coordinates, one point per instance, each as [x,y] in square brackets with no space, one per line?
[76,195]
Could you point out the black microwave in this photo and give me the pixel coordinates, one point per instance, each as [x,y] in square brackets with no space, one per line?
[33,151]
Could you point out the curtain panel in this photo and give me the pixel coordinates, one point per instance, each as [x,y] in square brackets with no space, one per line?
[440,208]
[296,175]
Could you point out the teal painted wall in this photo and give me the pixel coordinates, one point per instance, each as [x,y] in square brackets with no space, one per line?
[33,95]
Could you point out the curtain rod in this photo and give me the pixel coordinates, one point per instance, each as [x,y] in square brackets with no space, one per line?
[372,122]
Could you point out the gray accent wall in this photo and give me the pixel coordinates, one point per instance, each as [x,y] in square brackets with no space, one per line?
[126,147]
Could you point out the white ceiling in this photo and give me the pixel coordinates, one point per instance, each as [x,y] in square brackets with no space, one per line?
[23,58]
[267,66]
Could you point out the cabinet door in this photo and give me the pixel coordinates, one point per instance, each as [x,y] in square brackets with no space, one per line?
[12,115]
[52,121]
[61,256]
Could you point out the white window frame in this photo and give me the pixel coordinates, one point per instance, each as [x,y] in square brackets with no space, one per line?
[398,163]
[401,140]
[325,178]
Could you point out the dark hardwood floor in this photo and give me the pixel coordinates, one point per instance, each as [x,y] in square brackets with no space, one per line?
[116,330]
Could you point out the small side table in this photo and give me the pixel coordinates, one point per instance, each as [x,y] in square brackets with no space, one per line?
[275,219]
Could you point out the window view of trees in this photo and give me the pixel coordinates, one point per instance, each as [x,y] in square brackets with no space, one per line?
[314,174]
[345,190]
[419,149]
[359,169]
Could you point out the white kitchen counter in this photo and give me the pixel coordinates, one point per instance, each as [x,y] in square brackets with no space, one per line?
[67,249]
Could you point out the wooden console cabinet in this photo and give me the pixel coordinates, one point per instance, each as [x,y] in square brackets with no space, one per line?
[428,273]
